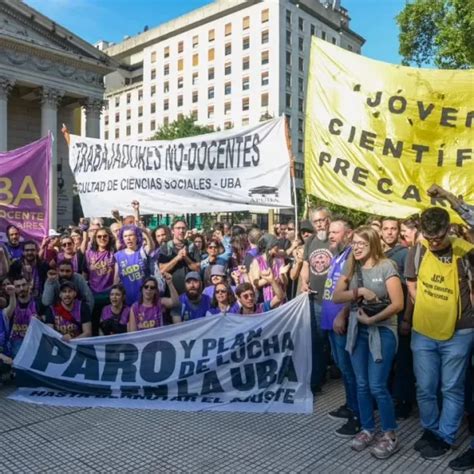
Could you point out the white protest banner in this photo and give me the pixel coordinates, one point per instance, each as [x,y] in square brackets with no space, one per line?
[258,363]
[231,170]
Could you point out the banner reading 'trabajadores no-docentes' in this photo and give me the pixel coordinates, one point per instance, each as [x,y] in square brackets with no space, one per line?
[379,135]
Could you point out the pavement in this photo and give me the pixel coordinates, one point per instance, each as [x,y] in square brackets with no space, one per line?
[37,438]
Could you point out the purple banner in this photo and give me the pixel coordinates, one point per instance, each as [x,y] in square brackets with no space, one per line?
[24,186]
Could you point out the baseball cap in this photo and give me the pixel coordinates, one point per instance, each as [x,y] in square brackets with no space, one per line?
[306,225]
[192,276]
[217,270]
[67,284]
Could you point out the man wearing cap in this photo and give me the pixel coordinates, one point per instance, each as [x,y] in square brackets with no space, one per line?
[193,303]
[69,316]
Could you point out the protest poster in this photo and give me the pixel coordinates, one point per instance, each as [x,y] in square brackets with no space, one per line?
[230,170]
[24,185]
[257,363]
[379,135]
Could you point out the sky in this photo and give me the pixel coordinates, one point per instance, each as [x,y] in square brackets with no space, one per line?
[111,20]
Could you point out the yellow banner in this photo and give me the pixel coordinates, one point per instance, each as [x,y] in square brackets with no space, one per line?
[379,135]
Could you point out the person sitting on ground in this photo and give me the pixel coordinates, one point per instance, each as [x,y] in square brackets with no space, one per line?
[194,304]
[69,316]
[114,317]
[148,311]
[223,300]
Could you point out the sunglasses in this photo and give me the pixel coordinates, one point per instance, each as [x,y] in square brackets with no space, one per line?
[150,287]
[103,236]
[212,246]
[66,244]
[247,296]
[220,292]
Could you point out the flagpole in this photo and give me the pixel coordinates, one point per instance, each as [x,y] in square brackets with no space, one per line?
[292,172]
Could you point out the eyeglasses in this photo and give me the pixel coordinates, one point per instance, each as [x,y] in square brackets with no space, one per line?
[318,221]
[103,236]
[247,296]
[66,244]
[220,292]
[149,287]
[436,238]
[290,228]
[212,246]
[359,245]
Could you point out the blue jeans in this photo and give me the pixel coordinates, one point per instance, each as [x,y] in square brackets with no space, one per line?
[318,370]
[343,361]
[372,379]
[441,362]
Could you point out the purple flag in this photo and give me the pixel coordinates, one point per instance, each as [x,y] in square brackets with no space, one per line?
[24,186]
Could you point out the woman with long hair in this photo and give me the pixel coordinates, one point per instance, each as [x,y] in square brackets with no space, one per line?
[114,317]
[148,311]
[410,230]
[224,300]
[371,284]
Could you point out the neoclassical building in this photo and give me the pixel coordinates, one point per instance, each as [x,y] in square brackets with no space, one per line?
[48,76]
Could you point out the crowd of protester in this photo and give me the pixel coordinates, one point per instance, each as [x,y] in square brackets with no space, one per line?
[394,347]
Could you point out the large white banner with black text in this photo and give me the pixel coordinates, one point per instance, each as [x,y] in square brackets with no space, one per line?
[258,363]
[231,170]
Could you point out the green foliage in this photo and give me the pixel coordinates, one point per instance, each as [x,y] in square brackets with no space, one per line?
[181,128]
[439,32]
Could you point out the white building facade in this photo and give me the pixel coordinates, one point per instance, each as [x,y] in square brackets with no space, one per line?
[230,64]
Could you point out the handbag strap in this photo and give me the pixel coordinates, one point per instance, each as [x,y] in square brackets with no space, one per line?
[360,278]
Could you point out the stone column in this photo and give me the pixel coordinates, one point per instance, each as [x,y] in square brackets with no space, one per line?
[6,85]
[93,108]
[50,99]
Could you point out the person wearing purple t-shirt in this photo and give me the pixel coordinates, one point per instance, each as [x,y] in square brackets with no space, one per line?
[14,246]
[115,316]
[148,311]
[223,300]
[194,304]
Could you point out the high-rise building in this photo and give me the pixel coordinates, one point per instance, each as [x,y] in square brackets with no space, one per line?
[229,64]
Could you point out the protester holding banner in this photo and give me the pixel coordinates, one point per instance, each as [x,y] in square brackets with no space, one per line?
[114,317]
[148,311]
[372,281]
[223,300]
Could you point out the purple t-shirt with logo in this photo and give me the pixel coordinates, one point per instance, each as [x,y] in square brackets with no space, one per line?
[234,309]
[101,268]
[132,272]
[22,315]
[148,317]
[190,310]
[107,313]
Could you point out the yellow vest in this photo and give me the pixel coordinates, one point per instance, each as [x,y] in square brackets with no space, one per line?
[438,302]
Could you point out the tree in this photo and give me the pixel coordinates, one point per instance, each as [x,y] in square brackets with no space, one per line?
[439,32]
[181,128]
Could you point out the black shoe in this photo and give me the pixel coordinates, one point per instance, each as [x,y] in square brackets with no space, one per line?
[349,429]
[402,410]
[341,413]
[463,462]
[425,440]
[334,373]
[435,449]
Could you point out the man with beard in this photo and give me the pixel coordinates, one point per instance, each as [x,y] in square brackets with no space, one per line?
[178,257]
[69,316]
[334,321]
[404,378]
[13,246]
[31,267]
[193,303]
[317,257]
[22,307]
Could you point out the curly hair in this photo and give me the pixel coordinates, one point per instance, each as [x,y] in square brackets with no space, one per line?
[138,233]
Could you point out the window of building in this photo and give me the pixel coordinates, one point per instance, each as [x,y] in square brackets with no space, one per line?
[195,41]
[106,135]
[300,105]
[117,101]
[140,111]
[288,18]
[245,103]
[300,24]
[265,15]
[194,114]
[210,74]
[106,119]
[265,36]
[301,44]
[129,114]
[288,101]
[246,42]
[152,91]
[128,130]
[300,125]
[265,58]
[140,127]
[180,64]
[166,53]
[246,23]
[195,59]
[288,80]
[117,117]
[180,101]
[152,108]
[227,125]
[153,74]
[166,104]
[264,100]
[210,111]
[195,96]
[228,69]
[228,88]
[299,170]
[227,108]
[140,94]
[246,83]
[153,125]
[313,30]
[300,85]
[166,87]
[195,78]
[228,29]
[129,98]
[180,47]
[246,63]
[228,49]
[153,57]
[210,54]
[349,47]
[334,41]
[288,38]
[323,35]
[117,133]
[211,36]
[288,58]
[180,82]
[245,121]
[210,92]
[301,64]
[166,69]
[265,78]
[166,121]
[300,146]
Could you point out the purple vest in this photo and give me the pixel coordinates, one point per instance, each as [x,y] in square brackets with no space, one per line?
[131,269]
[4,332]
[329,309]
[62,325]
[107,314]
[21,320]
[101,266]
[147,317]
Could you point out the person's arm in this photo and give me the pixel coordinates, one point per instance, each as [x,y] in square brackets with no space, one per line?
[116,215]
[284,274]
[9,310]
[149,244]
[411,285]
[304,275]
[173,300]
[340,322]
[168,267]
[4,264]
[255,276]
[43,247]
[66,134]
[192,264]
[51,288]
[278,294]
[344,295]
[132,322]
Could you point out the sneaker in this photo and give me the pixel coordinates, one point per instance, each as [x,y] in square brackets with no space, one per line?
[349,429]
[425,440]
[362,440]
[402,410]
[385,447]
[463,462]
[435,449]
[342,413]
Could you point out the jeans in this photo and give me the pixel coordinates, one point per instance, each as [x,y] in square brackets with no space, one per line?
[343,361]
[372,379]
[319,365]
[441,362]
